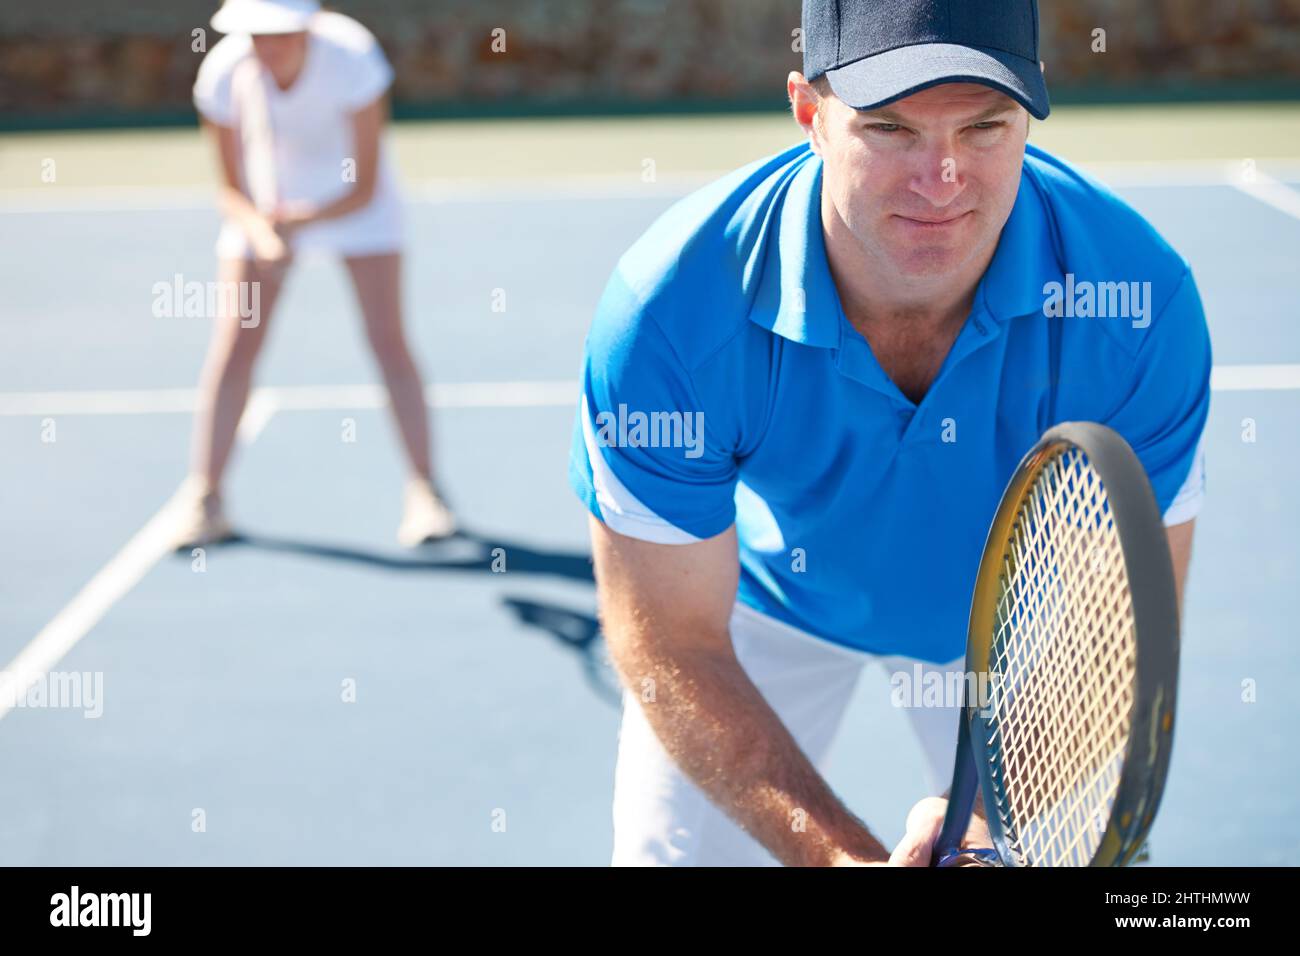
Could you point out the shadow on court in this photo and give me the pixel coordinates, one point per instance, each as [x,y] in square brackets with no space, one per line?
[469,552]
[466,551]
[578,632]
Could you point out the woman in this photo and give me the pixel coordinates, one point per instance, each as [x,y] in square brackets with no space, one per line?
[293,98]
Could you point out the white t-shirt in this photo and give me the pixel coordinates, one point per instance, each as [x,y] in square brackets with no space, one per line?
[309,154]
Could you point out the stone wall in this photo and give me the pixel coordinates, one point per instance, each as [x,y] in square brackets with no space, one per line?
[81,58]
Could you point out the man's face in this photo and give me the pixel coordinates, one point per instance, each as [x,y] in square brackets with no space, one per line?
[925,184]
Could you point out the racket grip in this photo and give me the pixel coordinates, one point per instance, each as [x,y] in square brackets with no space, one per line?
[981,856]
[961,801]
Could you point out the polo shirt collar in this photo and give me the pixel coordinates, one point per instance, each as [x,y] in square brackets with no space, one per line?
[796,297]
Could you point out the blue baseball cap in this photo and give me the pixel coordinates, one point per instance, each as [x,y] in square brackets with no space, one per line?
[873,52]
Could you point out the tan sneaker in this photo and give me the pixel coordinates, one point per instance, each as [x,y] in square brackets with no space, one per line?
[425,516]
[200,520]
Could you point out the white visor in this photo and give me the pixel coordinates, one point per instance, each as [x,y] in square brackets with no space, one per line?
[264,16]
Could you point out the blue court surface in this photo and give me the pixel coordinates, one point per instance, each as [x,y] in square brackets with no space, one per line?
[313,694]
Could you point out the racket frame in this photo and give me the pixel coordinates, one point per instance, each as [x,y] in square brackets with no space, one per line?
[1149,567]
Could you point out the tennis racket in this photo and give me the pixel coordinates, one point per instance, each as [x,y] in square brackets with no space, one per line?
[250,90]
[1074,620]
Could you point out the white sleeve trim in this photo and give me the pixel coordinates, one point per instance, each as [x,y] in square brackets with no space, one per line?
[621,510]
[1188,502]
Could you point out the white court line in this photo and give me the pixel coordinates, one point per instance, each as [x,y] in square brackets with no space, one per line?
[53,198]
[552,394]
[118,402]
[113,582]
[291,398]
[506,394]
[594,186]
[1167,174]
[261,406]
[627,185]
[76,199]
[1255,378]
[1268,190]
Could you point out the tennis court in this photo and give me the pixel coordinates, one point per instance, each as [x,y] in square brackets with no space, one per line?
[313,694]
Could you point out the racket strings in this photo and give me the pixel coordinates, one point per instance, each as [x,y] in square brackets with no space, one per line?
[1045,758]
[1049,756]
[1061,668]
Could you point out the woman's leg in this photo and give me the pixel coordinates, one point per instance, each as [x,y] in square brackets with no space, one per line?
[228,370]
[378,283]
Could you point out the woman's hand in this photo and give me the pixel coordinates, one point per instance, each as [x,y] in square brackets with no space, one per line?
[269,245]
[289,217]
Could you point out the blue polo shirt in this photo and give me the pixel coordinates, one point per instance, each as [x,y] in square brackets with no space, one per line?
[723,384]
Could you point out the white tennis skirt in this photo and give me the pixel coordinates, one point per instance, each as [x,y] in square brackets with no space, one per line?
[375,229]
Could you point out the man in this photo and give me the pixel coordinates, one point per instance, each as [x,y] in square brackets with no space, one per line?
[805,389]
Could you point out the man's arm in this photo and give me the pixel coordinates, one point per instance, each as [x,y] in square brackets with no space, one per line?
[1180,550]
[666,611]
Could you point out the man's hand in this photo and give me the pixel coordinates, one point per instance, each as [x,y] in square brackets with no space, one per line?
[923,825]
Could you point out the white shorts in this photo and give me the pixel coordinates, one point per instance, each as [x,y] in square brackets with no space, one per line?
[662,819]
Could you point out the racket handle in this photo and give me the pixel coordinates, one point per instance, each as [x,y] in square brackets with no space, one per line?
[961,800]
[981,855]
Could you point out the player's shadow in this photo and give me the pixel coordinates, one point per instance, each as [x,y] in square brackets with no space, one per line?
[581,633]
[473,553]
[467,552]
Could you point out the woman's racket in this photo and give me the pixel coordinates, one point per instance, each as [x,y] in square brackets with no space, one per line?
[1074,620]
[257,133]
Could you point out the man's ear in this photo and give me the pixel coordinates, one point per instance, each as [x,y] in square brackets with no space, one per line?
[803,101]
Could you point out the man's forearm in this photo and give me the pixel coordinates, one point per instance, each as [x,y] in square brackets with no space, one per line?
[713,721]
